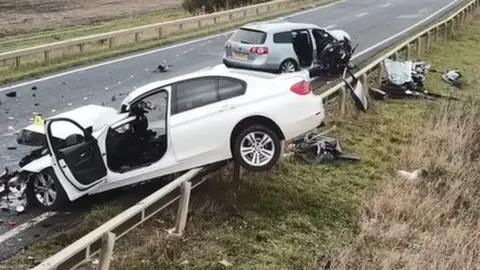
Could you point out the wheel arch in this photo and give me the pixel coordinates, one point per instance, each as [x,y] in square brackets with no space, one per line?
[255,120]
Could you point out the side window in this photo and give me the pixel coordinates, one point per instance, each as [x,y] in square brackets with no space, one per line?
[283,37]
[152,112]
[195,93]
[230,88]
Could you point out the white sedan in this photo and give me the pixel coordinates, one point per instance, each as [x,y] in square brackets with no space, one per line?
[165,127]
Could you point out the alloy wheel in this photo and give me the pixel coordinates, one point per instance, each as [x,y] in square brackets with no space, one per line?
[44,189]
[257,148]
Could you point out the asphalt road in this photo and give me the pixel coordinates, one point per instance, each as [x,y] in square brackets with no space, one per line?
[375,24]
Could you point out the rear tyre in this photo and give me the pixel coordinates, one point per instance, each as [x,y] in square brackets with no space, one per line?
[257,148]
[44,190]
[288,66]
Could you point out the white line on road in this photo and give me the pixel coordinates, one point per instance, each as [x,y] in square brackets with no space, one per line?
[147,53]
[362,14]
[406,30]
[26,225]
[330,26]
[387,4]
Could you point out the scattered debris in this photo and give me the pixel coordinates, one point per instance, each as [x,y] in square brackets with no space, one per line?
[318,149]
[225,263]
[162,68]
[411,176]
[121,93]
[85,98]
[34,88]
[113,98]
[184,262]
[64,83]
[405,80]
[36,104]
[452,77]
[69,104]
[12,223]
[11,94]
[34,95]
[12,148]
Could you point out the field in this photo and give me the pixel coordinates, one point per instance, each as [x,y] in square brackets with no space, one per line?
[19,17]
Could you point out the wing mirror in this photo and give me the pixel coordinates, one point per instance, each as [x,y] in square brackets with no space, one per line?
[89,130]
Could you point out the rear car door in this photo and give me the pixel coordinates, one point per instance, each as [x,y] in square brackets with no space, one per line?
[200,115]
[77,159]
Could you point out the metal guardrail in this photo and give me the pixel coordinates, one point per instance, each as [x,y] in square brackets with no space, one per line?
[103,238]
[105,41]
[421,42]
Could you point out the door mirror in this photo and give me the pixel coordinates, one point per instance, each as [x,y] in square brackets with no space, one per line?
[89,130]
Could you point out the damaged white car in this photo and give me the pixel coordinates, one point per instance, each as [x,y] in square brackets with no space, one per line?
[166,127]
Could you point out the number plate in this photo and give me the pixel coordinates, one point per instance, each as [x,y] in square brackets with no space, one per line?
[240,55]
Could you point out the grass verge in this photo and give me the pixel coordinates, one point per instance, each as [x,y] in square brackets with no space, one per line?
[11,75]
[431,222]
[64,33]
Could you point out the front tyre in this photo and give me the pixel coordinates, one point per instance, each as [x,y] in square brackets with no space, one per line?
[45,190]
[257,148]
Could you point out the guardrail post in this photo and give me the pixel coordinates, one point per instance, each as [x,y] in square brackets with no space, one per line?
[379,75]
[408,52]
[419,46]
[435,37]
[183,208]
[342,92]
[180,27]
[18,61]
[108,242]
[47,55]
[159,32]
[427,41]
[395,56]
[110,43]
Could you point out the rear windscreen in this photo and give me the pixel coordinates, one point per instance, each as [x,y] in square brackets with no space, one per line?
[249,36]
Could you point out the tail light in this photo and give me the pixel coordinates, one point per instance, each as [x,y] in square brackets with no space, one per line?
[259,50]
[228,45]
[301,88]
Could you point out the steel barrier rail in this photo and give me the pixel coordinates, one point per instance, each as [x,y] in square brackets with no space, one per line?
[103,238]
[90,244]
[44,53]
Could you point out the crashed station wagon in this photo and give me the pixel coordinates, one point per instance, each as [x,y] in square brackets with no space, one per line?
[166,127]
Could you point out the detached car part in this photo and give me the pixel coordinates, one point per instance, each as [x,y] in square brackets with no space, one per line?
[318,149]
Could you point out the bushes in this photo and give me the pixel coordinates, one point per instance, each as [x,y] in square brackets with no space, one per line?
[196,7]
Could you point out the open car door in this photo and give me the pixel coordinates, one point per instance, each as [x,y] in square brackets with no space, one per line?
[76,156]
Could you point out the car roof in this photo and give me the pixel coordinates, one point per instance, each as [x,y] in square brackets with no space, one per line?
[278,26]
[218,70]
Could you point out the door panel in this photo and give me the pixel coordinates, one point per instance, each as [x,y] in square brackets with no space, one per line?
[76,154]
[84,161]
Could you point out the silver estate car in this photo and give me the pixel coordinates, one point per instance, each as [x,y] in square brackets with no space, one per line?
[278,46]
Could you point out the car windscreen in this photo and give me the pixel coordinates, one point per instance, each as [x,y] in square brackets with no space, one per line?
[249,36]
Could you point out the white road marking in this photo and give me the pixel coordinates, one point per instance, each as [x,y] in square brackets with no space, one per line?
[330,26]
[149,52]
[386,5]
[406,30]
[362,14]
[26,225]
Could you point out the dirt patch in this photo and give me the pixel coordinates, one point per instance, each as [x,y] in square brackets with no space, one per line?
[23,16]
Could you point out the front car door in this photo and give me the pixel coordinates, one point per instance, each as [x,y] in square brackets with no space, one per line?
[76,156]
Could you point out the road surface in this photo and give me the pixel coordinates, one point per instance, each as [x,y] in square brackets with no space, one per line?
[375,24]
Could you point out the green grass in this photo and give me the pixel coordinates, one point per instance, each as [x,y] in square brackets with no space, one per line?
[64,33]
[8,75]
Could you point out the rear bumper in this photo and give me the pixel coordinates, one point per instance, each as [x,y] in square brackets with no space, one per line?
[252,66]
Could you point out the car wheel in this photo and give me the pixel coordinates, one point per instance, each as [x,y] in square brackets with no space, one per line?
[288,66]
[257,148]
[45,190]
